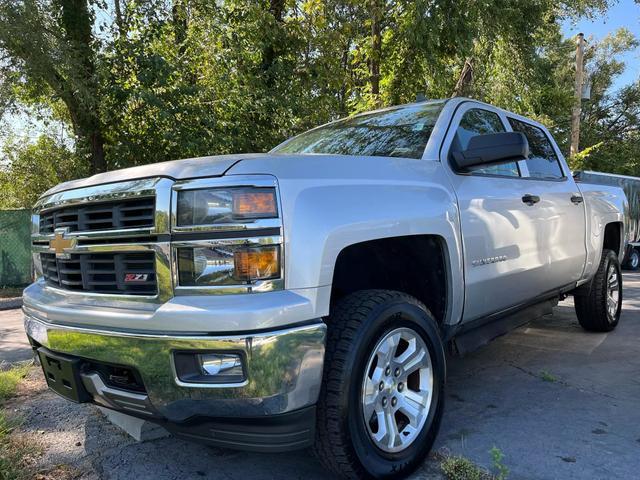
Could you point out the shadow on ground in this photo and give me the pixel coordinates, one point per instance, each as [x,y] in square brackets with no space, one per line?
[557,401]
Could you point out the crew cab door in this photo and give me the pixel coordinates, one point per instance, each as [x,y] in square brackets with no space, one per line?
[561,204]
[506,244]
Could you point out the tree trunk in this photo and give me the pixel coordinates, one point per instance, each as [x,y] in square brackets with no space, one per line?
[270,53]
[81,89]
[464,84]
[376,47]
[120,22]
[98,162]
[179,13]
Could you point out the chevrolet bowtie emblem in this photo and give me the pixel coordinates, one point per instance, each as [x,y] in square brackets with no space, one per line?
[59,244]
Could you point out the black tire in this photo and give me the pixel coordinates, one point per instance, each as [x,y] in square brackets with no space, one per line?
[357,323]
[633,262]
[591,301]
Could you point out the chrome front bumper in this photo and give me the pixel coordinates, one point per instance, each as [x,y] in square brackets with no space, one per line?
[284,369]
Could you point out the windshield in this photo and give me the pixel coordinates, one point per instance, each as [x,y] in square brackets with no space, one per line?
[399,132]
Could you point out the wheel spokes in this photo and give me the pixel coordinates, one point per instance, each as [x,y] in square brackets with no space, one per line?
[396,391]
[613,291]
[387,350]
[412,359]
[392,429]
[410,408]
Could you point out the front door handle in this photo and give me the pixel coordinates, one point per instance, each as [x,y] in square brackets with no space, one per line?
[530,199]
[577,199]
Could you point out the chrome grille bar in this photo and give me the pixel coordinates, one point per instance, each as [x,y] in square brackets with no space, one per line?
[112,225]
[119,214]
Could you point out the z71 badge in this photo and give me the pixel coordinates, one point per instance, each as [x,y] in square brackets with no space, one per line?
[135,277]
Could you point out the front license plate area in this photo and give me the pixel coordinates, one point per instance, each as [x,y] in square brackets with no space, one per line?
[63,375]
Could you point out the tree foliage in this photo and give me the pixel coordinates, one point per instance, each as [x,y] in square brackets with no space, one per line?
[142,81]
[50,49]
[35,167]
[610,124]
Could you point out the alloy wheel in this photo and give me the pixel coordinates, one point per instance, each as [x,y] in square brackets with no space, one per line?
[397,390]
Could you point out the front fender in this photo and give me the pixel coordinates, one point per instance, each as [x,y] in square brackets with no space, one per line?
[321,220]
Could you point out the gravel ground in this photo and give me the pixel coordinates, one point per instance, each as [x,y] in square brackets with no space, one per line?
[557,401]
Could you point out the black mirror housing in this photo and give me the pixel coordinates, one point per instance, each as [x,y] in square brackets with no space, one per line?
[491,149]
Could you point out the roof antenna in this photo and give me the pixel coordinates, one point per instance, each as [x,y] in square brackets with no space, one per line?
[420,97]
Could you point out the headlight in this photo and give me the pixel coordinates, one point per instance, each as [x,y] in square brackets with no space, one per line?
[225,205]
[227,265]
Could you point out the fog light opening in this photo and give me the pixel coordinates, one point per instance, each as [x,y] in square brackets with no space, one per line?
[210,367]
[214,364]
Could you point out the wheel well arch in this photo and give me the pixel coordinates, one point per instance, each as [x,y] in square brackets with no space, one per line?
[414,264]
[612,237]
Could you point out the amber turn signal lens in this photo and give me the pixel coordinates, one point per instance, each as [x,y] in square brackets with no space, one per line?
[255,204]
[257,263]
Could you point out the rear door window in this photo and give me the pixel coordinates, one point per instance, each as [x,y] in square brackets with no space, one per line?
[477,121]
[543,163]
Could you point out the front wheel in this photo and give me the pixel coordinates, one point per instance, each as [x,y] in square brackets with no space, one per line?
[598,307]
[382,396]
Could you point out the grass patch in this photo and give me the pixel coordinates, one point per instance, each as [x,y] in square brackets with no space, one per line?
[15,453]
[496,457]
[460,468]
[10,292]
[548,377]
[10,378]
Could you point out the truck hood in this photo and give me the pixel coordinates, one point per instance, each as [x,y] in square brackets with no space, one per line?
[317,166]
[211,166]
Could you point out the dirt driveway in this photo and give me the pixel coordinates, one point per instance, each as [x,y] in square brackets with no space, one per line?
[558,402]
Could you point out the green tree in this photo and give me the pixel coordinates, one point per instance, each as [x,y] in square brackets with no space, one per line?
[610,123]
[32,168]
[151,80]
[51,48]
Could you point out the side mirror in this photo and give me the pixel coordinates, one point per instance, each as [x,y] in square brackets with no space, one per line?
[492,148]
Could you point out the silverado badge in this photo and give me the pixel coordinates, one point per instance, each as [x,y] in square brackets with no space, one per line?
[59,244]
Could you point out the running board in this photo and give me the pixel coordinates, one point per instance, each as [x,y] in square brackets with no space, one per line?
[480,335]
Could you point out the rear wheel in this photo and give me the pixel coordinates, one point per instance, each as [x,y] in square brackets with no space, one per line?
[383,391]
[598,307]
[633,262]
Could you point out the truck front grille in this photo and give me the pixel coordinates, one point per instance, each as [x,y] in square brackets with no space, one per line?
[127,273]
[128,213]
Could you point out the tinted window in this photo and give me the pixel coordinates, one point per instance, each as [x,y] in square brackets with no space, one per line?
[543,161]
[480,122]
[400,132]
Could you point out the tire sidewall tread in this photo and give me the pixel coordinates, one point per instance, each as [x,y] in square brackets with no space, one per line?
[591,306]
[357,322]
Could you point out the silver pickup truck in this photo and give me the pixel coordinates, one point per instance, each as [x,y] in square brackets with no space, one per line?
[306,296]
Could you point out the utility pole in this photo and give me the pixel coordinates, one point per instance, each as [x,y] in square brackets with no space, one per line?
[577,101]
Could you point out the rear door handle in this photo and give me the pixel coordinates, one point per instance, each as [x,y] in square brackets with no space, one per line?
[576,199]
[530,199]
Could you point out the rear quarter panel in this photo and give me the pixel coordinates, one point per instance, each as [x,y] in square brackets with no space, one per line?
[604,205]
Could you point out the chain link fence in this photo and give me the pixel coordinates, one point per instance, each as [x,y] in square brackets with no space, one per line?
[15,247]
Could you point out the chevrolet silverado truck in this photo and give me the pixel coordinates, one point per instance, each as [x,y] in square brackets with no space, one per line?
[306,296]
